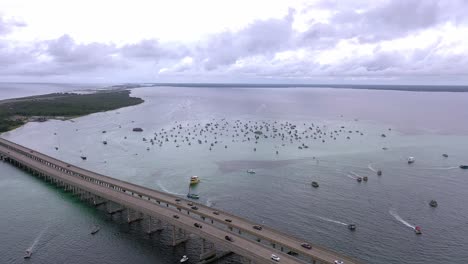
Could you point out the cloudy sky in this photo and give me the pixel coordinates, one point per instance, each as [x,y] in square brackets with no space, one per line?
[269,41]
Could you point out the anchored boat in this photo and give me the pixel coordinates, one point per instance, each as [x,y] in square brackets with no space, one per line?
[433,203]
[315,184]
[411,160]
[194,180]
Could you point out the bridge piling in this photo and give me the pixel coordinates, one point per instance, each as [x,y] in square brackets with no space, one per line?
[133,216]
[178,236]
[207,249]
[154,225]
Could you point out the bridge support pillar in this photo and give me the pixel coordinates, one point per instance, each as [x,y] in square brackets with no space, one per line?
[178,236]
[207,249]
[113,208]
[133,216]
[245,260]
[154,225]
[98,200]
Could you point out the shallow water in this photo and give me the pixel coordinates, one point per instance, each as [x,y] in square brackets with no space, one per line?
[278,194]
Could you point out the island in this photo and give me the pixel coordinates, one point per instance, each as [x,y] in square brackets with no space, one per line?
[16,112]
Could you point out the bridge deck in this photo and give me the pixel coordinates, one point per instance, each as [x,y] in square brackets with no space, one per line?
[133,191]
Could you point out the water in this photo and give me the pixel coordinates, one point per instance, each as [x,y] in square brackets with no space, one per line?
[278,194]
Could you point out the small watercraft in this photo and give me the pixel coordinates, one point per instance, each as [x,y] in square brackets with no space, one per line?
[194,180]
[250,171]
[95,229]
[464,167]
[183,259]
[27,254]
[445,155]
[411,160]
[364,178]
[417,230]
[315,184]
[193,196]
[359,179]
[379,173]
[83,157]
[433,203]
[352,227]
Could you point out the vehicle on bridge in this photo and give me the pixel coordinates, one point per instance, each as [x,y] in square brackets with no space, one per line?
[228,238]
[306,245]
[258,227]
[275,258]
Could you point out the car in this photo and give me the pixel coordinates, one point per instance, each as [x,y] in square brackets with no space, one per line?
[216,213]
[228,220]
[306,245]
[190,204]
[197,225]
[275,258]
[177,200]
[258,227]
[194,208]
[338,262]
[176,216]
[228,238]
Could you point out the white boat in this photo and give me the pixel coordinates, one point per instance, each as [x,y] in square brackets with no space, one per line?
[28,254]
[250,171]
[183,259]
[411,160]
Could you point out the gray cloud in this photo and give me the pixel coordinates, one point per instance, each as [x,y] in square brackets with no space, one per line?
[251,52]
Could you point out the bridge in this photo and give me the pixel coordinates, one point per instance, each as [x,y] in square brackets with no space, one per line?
[221,233]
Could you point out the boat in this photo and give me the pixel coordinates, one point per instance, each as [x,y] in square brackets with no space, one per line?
[183,259]
[83,157]
[250,171]
[96,229]
[315,184]
[359,179]
[464,167]
[193,196]
[352,227]
[433,203]
[27,254]
[194,180]
[365,178]
[417,230]
[411,160]
[445,155]
[379,173]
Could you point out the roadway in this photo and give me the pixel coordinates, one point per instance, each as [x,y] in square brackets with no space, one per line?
[244,225]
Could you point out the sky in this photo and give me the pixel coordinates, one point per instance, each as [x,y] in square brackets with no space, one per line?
[243,41]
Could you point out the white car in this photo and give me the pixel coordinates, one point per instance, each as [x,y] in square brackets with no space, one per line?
[339,262]
[275,258]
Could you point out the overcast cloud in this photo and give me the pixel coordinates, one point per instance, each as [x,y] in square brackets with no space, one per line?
[320,41]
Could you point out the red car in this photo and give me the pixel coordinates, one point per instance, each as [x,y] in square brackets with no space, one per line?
[305,245]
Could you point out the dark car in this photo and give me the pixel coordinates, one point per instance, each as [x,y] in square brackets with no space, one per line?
[176,216]
[228,220]
[190,203]
[258,227]
[194,208]
[216,213]
[177,200]
[228,238]
[197,225]
[306,245]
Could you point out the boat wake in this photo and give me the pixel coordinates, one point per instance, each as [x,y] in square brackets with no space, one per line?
[37,239]
[210,203]
[355,174]
[351,176]
[329,220]
[371,168]
[399,219]
[166,190]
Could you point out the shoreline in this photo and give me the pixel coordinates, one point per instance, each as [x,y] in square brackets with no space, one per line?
[16,112]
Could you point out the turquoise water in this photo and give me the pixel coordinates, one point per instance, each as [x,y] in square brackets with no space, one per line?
[419,124]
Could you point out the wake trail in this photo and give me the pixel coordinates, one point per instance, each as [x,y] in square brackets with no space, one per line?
[371,168]
[166,190]
[399,219]
[37,239]
[350,176]
[329,220]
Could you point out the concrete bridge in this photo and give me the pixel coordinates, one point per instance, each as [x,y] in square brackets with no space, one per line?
[160,210]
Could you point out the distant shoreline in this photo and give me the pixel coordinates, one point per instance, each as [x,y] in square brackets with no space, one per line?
[61,106]
[410,88]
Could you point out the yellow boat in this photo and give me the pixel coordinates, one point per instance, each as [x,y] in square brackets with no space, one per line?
[194,180]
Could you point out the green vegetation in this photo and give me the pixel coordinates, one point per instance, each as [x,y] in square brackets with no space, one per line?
[16,112]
